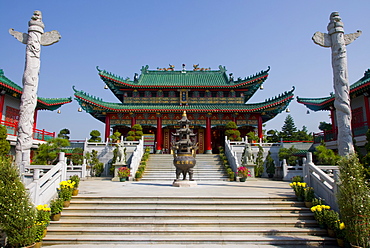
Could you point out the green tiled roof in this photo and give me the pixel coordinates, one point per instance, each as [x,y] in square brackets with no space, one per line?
[323,103]
[15,90]
[150,79]
[269,108]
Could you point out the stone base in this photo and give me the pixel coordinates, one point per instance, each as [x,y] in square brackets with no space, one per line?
[184,183]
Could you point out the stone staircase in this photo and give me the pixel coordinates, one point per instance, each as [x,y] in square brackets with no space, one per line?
[191,221]
[208,168]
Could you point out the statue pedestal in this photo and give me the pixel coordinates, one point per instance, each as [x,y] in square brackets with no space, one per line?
[116,166]
[250,167]
[184,183]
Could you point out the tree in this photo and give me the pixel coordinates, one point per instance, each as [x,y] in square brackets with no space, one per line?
[95,136]
[324,126]
[77,155]
[63,134]
[47,153]
[115,137]
[270,165]
[273,136]
[366,159]
[93,160]
[232,132]
[288,155]
[135,134]
[303,135]
[258,170]
[326,156]
[4,144]
[288,130]
[17,213]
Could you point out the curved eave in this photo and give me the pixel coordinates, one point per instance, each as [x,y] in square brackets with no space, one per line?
[52,104]
[16,91]
[110,79]
[317,104]
[268,109]
[324,103]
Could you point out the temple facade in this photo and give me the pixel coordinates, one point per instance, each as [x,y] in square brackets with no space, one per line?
[156,99]
[360,109]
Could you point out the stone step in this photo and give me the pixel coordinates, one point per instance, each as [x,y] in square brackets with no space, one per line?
[189,199]
[150,230]
[218,238]
[221,223]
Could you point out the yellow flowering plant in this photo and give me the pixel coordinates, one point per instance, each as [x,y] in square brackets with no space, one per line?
[65,190]
[319,212]
[42,220]
[340,229]
[298,188]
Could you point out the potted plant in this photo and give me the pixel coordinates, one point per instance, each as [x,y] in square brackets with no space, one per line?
[243,173]
[309,195]
[123,173]
[42,221]
[331,219]
[75,179]
[65,191]
[270,165]
[319,213]
[298,188]
[340,233]
[56,208]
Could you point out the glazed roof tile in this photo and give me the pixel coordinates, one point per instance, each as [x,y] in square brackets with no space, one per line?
[182,79]
[324,103]
[15,90]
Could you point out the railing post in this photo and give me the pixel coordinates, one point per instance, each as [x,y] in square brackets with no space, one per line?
[36,174]
[64,165]
[285,169]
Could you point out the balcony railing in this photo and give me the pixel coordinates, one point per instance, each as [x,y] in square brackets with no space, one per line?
[358,129]
[38,134]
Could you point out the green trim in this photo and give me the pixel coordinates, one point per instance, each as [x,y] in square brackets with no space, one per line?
[324,103]
[15,90]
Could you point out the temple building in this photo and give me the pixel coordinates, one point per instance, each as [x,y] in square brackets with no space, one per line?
[359,94]
[10,99]
[156,99]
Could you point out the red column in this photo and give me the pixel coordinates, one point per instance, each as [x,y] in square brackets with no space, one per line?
[159,136]
[107,127]
[2,100]
[207,142]
[367,109]
[260,132]
[332,117]
[133,120]
[35,119]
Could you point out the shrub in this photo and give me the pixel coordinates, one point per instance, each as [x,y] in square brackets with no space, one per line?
[17,213]
[331,219]
[354,201]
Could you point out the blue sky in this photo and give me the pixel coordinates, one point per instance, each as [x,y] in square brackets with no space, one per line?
[122,36]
